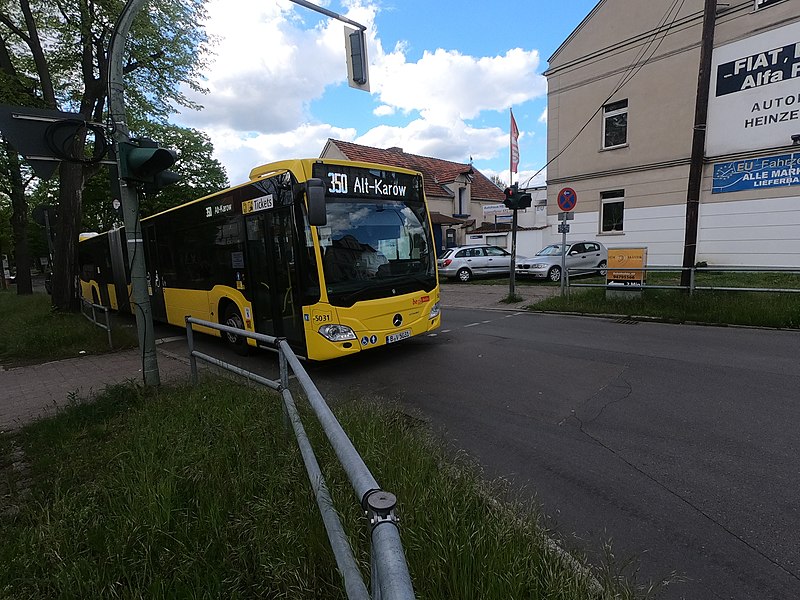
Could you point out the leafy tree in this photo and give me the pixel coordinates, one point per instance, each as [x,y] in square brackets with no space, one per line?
[495,179]
[201,174]
[60,49]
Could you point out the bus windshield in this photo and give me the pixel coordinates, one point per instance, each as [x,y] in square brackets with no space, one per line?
[371,249]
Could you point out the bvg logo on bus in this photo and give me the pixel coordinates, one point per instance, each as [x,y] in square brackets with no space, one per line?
[418,301]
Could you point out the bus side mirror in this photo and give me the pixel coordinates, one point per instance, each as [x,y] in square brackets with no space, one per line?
[315,192]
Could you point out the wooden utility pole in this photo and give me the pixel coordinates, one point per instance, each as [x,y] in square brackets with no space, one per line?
[698,141]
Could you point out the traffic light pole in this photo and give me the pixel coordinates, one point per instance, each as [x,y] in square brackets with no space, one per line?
[511,277]
[130,198]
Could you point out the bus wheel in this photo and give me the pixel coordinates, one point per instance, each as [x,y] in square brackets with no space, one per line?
[233,318]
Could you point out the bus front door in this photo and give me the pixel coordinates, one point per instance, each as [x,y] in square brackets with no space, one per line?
[272,273]
[155,288]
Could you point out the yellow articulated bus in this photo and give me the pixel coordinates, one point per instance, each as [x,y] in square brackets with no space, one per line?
[335,256]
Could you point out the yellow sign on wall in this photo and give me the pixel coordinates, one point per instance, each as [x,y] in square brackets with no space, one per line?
[626,265]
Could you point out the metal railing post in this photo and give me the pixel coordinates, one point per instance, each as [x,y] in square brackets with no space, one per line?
[192,358]
[692,276]
[108,327]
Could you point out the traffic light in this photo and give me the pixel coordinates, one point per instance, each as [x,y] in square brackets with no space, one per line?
[523,200]
[511,197]
[142,161]
[355,42]
[514,199]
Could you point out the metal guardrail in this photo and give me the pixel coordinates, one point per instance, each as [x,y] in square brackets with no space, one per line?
[693,287]
[93,317]
[389,571]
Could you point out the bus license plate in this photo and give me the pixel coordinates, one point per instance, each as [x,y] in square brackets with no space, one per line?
[396,337]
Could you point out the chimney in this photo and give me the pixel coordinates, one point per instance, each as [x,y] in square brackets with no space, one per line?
[395,149]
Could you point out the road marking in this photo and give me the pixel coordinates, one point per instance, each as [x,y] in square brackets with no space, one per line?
[432,334]
[471,325]
[170,339]
[446,330]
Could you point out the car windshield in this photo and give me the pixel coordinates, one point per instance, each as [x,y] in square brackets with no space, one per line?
[550,250]
[375,249]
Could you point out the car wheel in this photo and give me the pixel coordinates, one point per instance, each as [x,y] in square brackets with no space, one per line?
[464,275]
[233,318]
[601,268]
[554,274]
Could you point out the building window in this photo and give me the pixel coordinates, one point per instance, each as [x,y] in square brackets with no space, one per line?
[497,240]
[612,210]
[615,124]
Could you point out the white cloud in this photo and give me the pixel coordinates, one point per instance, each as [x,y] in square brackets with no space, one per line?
[271,66]
[384,110]
[241,153]
[446,84]
[543,116]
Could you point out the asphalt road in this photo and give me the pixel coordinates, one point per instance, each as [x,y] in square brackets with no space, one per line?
[677,443]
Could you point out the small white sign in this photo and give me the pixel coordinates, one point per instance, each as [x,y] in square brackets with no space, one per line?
[489,209]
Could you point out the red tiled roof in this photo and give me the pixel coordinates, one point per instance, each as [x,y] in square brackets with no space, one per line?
[435,171]
[438,218]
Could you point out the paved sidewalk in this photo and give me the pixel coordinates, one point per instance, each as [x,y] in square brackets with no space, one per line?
[27,393]
[477,295]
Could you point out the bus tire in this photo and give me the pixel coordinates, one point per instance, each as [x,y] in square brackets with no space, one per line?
[233,318]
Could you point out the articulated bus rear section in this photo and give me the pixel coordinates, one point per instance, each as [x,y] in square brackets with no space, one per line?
[104,274]
[335,256]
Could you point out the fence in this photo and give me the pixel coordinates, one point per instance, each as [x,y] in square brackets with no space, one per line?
[389,572]
[93,317]
[693,273]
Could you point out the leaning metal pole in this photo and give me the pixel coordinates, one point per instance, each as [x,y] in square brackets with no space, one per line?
[130,199]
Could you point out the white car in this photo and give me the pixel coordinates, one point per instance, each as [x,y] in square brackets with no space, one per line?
[581,258]
[465,262]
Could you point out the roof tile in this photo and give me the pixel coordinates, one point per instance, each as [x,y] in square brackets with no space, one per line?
[435,171]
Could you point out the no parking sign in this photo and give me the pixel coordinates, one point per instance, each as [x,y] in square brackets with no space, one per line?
[567,199]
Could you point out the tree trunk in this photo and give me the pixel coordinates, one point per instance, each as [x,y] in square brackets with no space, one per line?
[19,223]
[65,259]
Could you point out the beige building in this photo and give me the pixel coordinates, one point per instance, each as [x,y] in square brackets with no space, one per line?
[621,109]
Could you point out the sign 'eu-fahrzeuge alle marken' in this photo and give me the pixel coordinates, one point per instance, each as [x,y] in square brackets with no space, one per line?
[754,100]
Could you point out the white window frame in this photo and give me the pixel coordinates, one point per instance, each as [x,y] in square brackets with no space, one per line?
[608,113]
[607,198]
[501,241]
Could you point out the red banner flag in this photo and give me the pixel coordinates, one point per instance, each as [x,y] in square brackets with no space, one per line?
[514,144]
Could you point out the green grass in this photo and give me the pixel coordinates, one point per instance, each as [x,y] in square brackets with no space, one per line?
[762,309]
[31,332]
[199,492]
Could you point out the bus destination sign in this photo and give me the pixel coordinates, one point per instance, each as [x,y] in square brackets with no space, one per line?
[356,182]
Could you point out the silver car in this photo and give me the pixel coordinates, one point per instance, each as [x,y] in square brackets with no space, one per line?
[581,257]
[465,262]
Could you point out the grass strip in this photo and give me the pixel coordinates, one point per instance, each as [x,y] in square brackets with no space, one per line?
[200,492]
[760,309]
[31,332]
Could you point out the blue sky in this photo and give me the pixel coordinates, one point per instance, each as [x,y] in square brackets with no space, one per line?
[443,75]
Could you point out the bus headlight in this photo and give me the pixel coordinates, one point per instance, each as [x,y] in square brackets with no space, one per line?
[435,311]
[337,333]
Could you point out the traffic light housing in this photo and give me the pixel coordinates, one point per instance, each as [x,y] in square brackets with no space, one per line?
[510,197]
[355,42]
[514,199]
[142,161]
